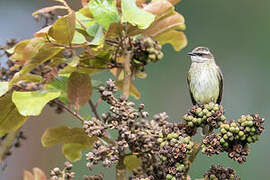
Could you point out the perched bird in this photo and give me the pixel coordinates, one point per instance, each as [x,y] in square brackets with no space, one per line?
[205,78]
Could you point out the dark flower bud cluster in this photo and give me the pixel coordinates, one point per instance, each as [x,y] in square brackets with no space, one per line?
[206,114]
[66,173]
[220,173]
[174,152]
[146,50]
[234,137]
[107,153]
[94,127]
[95,177]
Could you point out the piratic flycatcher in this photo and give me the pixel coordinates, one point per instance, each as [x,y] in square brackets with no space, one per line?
[205,79]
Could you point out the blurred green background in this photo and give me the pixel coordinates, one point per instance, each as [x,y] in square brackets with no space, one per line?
[237,32]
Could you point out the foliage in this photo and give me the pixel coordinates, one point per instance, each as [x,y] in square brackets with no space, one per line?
[57,67]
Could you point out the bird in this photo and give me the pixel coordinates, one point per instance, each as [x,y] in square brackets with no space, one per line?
[205,79]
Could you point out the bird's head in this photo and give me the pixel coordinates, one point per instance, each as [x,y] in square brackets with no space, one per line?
[201,55]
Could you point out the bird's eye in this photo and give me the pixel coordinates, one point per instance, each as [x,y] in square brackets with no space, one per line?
[200,54]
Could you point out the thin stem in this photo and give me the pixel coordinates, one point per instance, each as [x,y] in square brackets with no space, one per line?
[94,109]
[120,169]
[7,143]
[75,114]
[127,74]
[196,150]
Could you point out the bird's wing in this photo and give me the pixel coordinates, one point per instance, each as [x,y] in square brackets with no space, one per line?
[191,95]
[220,78]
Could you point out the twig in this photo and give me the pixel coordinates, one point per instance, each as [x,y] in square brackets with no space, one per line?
[75,114]
[94,109]
[127,73]
[120,169]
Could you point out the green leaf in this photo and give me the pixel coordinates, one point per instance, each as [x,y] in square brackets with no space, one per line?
[79,89]
[74,140]
[18,50]
[78,38]
[59,84]
[63,29]
[32,103]
[132,162]
[46,52]
[72,151]
[177,39]
[135,15]
[10,119]
[104,11]
[99,36]
[3,88]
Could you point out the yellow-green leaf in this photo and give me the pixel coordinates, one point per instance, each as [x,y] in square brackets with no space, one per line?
[78,38]
[3,88]
[104,11]
[18,50]
[74,140]
[132,162]
[32,103]
[63,29]
[135,15]
[72,151]
[79,89]
[46,52]
[10,119]
[177,39]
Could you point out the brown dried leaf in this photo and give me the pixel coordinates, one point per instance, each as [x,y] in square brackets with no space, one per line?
[175,21]
[79,89]
[48,9]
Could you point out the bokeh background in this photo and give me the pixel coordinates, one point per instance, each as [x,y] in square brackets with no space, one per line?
[237,32]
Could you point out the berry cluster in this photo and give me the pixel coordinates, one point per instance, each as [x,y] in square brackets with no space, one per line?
[66,173]
[220,173]
[207,114]
[234,137]
[96,177]
[146,50]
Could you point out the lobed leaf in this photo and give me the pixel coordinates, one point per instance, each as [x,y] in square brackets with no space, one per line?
[10,119]
[135,15]
[79,89]
[62,31]
[32,103]
[104,11]
[48,9]
[74,140]
[177,39]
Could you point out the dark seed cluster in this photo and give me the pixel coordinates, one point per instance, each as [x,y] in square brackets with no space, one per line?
[95,177]
[205,115]
[146,50]
[220,173]
[163,147]
[66,173]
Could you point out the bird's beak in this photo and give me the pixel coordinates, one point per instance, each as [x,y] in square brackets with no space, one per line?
[190,54]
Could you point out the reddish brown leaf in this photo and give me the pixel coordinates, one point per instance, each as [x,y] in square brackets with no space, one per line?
[79,89]
[48,9]
[175,21]
[158,7]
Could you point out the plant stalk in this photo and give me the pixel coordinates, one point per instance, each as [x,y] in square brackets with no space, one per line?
[121,169]
[127,73]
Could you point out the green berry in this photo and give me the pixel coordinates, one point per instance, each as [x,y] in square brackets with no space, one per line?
[223,131]
[222,118]
[169,176]
[222,141]
[159,140]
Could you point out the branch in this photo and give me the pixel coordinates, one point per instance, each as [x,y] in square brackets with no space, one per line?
[120,169]
[7,143]
[75,114]
[127,73]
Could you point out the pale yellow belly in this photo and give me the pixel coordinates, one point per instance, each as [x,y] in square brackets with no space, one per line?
[204,85]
